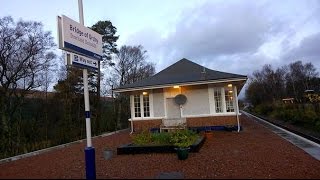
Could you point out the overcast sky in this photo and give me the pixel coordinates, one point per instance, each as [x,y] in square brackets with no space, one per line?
[232,36]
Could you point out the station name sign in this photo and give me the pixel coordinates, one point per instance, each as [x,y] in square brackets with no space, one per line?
[74,37]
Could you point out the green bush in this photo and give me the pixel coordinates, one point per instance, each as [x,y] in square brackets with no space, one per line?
[142,138]
[183,138]
[294,115]
[180,138]
[263,109]
[309,116]
[161,138]
[278,113]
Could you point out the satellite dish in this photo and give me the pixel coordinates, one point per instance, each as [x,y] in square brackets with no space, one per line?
[180,99]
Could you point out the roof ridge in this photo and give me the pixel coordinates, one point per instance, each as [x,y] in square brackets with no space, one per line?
[212,69]
[183,71]
[183,59]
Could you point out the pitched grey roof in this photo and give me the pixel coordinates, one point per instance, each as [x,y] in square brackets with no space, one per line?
[182,71]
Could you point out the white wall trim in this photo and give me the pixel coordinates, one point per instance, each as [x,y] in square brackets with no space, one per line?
[141,105]
[151,104]
[179,84]
[211,115]
[186,116]
[211,100]
[236,102]
[224,108]
[145,118]
[132,106]
[165,102]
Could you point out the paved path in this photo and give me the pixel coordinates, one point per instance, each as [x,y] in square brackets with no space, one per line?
[308,146]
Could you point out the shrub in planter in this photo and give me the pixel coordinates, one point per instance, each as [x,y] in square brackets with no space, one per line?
[161,138]
[183,139]
[142,138]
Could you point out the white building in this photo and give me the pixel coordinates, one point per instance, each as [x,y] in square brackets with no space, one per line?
[185,93]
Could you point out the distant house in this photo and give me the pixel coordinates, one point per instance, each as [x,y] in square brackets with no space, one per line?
[185,93]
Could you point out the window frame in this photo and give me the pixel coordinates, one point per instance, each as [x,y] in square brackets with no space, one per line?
[136,97]
[145,105]
[224,106]
[229,104]
[215,102]
[143,114]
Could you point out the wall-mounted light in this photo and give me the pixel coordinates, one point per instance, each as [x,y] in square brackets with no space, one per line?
[229,85]
[176,87]
[230,92]
[144,93]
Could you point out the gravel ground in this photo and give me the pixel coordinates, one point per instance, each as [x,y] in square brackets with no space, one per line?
[254,153]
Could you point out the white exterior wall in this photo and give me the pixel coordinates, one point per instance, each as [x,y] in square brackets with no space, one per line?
[200,102]
[197,101]
[158,105]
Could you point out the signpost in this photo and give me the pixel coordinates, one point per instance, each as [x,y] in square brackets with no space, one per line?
[84,49]
[81,61]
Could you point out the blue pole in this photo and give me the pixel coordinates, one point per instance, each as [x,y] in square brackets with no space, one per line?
[90,163]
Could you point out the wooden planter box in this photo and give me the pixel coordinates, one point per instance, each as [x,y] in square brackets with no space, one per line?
[136,149]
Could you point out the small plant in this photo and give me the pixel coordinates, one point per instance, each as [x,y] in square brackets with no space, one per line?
[161,138]
[183,138]
[180,138]
[142,138]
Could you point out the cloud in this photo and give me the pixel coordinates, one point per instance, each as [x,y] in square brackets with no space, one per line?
[219,29]
[308,47]
[222,36]
[237,36]
[308,50]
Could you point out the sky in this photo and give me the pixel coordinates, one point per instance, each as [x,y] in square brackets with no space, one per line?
[236,36]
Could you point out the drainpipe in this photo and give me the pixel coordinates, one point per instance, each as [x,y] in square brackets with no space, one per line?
[131,112]
[237,106]
[238,121]
[131,126]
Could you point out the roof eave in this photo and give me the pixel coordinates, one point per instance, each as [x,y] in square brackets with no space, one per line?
[179,84]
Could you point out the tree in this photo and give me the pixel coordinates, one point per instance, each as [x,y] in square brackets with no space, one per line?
[299,78]
[268,86]
[108,31]
[130,66]
[24,54]
[47,77]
